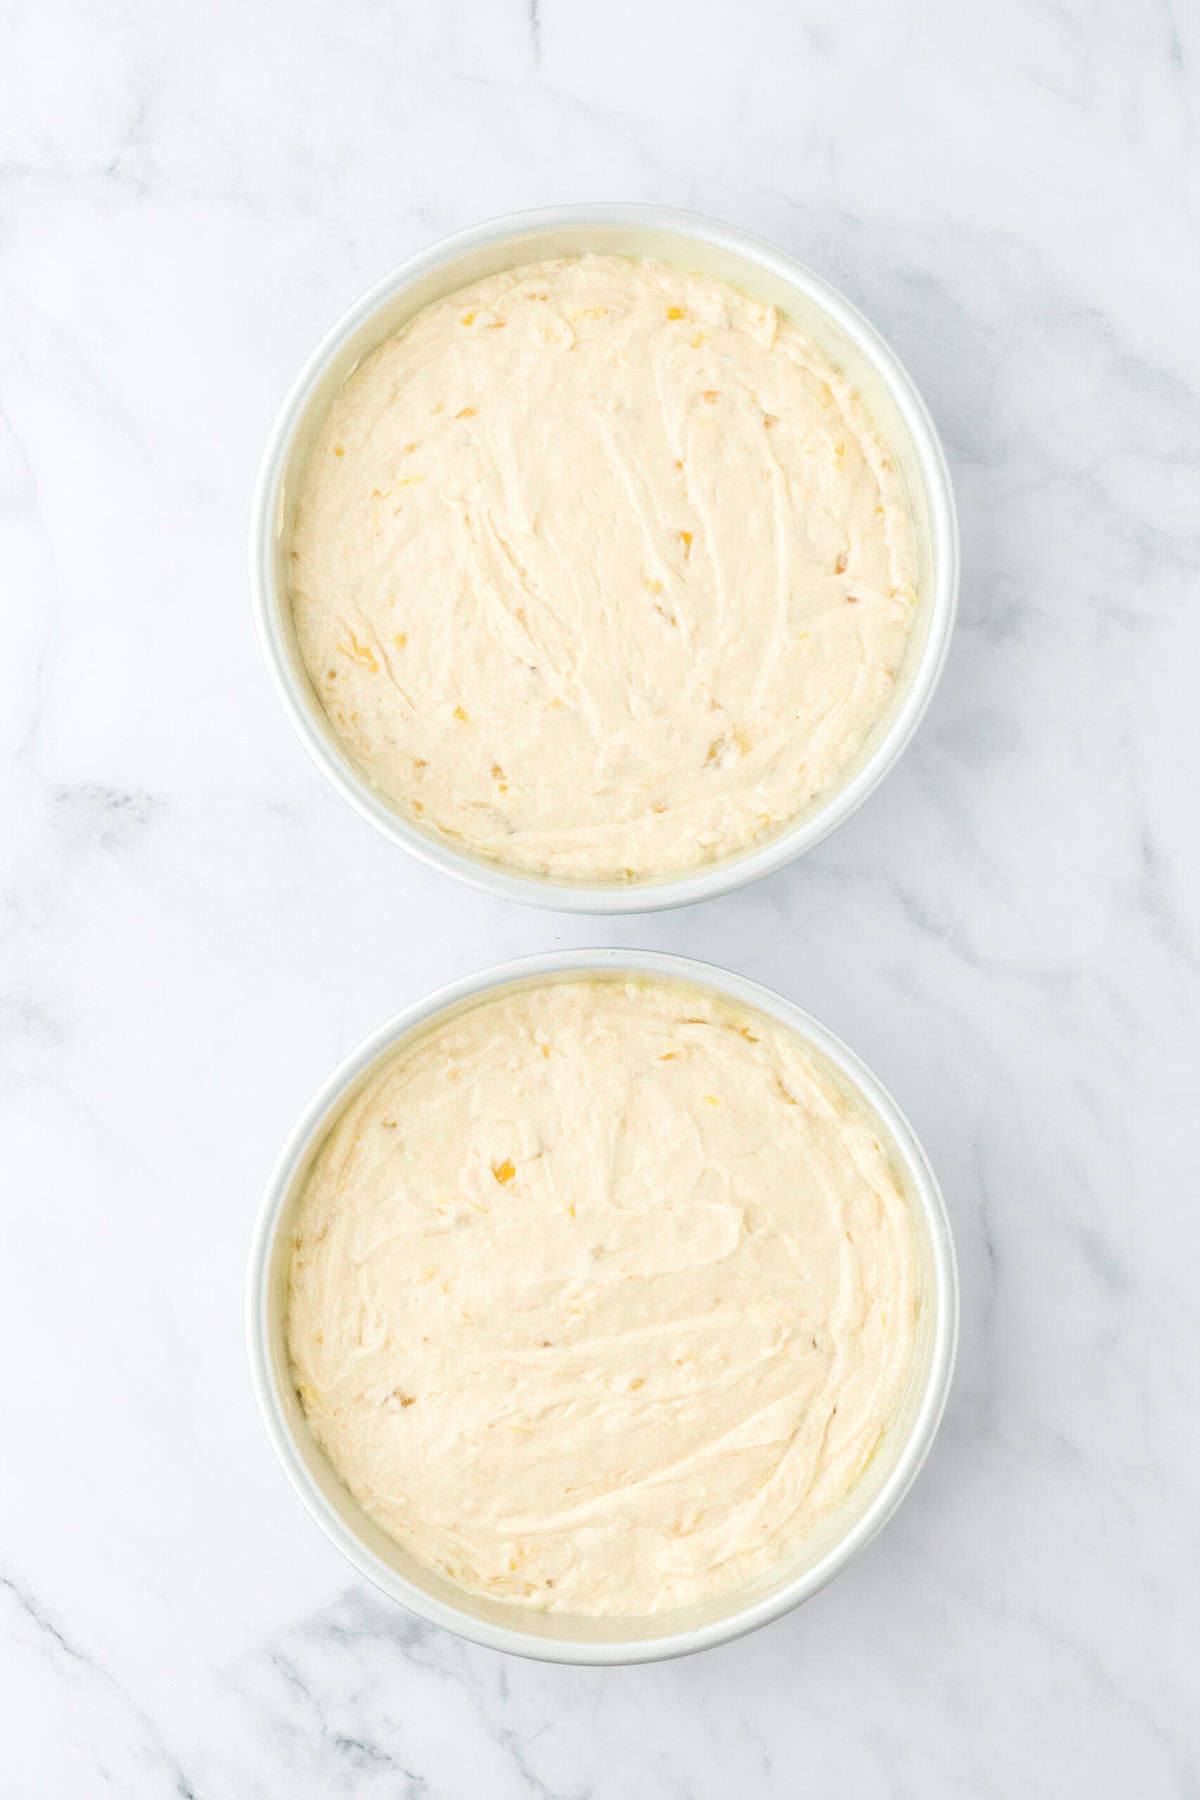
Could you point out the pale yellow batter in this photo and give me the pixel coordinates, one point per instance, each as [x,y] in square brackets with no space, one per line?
[601,570]
[601,1296]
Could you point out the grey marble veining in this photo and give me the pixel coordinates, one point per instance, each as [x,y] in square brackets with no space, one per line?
[193,928]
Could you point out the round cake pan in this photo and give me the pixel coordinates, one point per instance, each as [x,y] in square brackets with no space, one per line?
[849,341]
[557,1637]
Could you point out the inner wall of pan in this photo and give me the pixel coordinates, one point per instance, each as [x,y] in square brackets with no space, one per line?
[533,245]
[388,1561]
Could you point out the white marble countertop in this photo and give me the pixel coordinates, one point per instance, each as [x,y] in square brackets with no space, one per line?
[195,927]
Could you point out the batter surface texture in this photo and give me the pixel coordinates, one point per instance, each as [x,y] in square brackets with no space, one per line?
[601,1296]
[600,569]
